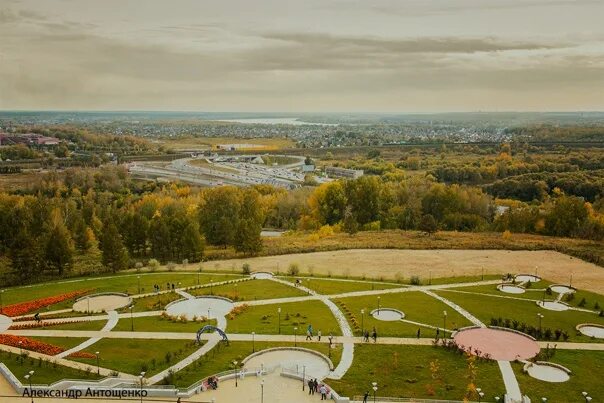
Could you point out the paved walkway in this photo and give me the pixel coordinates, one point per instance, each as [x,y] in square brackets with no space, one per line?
[113,319]
[457,308]
[512,389]
[185,294]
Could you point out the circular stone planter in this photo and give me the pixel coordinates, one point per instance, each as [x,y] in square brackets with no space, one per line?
[387,314]
[262,275]
[208,307]
[500,344]
[511,289]
[317,365]
[547,372]
[103,302]
[561,289]
[592,330]
[526,278]
[553,305]
[5,323]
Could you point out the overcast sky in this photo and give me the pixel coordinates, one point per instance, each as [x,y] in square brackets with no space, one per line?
[304,55]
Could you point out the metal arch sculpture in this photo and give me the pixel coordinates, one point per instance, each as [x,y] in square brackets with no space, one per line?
[211,328]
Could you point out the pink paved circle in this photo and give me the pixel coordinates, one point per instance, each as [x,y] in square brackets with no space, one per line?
[501,345]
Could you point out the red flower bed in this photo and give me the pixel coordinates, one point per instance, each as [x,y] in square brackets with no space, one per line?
[29,344]
[25,307]
[35,325]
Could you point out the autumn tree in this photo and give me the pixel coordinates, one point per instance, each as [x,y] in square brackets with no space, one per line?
[115,255]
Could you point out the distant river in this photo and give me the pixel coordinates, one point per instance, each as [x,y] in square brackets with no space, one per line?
[275,121]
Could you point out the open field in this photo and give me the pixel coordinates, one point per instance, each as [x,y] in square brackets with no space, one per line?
[159,324]
[45,372]
[211,142]
[406,371]
[133,356]
[585,367]
[391,264]
[251,290]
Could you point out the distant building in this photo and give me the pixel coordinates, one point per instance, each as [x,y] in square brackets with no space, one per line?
[308,168]
[337,172]
[29,139]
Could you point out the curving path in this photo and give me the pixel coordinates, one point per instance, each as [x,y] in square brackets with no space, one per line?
[113,319]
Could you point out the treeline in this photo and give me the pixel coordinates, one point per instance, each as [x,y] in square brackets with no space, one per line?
[92,220]
[558,133]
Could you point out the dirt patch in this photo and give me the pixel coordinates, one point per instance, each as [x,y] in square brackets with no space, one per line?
[392,263]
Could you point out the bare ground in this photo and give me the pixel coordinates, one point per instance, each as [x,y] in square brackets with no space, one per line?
[392,263]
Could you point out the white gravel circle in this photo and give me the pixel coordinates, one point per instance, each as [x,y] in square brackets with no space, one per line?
[548,373]
[387,314]
[316,366]
[525,278]
[592,331]
[553,306]
[511,289]
[209,307]
[262,275]
[561,289]
[102,303]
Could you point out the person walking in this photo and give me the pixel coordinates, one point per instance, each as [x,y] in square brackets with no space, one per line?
[311,385]
[309,332]
[366,336]
[365,397]
[319,335]
[374,335]
[323,391]
[418,332]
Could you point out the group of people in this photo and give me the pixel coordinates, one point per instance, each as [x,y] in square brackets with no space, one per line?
[157,287]
[212,382]
[309,333]
[373,335]
[314,387]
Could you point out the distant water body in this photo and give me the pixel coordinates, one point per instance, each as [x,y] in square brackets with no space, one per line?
[275,121]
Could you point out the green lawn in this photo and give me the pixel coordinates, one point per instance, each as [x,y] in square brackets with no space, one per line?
[222,356]
[45,372]
[251,290]
[135,355]
[264,319]
[458,279]
[417,306]
[332,286]
[159,324]
[586,366]
[486,307]
[405,371]
[127,283]
[84,325]
[153,302]
[65,342]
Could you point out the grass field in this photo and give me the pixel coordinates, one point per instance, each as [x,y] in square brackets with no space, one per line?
[405,371]
[159,324]
[45,372]
[251,290]
[417,306]
[84,325]
[222,356]
[135,355]
[487,307]
[126,283]
[586,367]
[335,286]
[153,302]
[65,342]
[264,319]
[212,142]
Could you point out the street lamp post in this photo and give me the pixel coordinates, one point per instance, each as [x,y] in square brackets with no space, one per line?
[139,283]
[141,377]
[253,342]
[375,388]
[279,312]
[198,273]
[540,316]
[31,389]
[98,367]
[480,394]
[236,372]
[88,301]
[303,377]
[378,305]
[362,322]
[586,397]
[131,318]
[295,337]
[21,347]
[544,399]
[444,324]
[262,391]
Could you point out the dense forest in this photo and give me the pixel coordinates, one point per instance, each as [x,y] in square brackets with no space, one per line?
[89,220]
